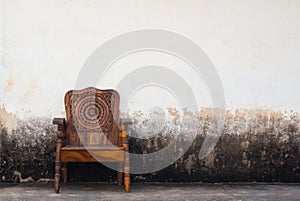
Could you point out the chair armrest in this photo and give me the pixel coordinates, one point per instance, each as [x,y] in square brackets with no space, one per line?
[61,122]
[124,122]
[61,127]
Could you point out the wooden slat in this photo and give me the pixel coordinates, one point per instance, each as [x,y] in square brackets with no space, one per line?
[92,156]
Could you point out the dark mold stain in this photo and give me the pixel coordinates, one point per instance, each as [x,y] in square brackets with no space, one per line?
[255,145]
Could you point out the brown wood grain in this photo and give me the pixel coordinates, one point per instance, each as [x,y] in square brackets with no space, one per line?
[91,133]
[92,156]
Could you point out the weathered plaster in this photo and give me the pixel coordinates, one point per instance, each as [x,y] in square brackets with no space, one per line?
[253,45]
[255,145]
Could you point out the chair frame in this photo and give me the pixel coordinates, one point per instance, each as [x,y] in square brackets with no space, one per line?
[79,153]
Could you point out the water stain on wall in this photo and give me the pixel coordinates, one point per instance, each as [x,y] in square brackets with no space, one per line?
[29,90]
[255,145]
[12,86]
[9,84]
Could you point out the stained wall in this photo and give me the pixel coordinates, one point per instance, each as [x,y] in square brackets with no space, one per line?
[253,45]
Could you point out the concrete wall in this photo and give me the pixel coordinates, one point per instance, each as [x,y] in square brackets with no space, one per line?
[254,46]
[255,145]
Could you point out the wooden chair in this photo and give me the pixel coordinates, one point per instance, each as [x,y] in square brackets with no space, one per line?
[91,133]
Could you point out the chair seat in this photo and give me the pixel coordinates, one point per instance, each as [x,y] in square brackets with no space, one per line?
[103,153]
[91,147]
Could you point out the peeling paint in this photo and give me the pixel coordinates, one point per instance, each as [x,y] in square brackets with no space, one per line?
[174,113]
[18,176]
[7,120]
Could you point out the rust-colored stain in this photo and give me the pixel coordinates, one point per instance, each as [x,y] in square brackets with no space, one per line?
[33,85]
[186,112]
[174,113]
[9,84]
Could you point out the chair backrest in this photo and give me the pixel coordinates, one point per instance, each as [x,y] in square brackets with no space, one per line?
[92,114]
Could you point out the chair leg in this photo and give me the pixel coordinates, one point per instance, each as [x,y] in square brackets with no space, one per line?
[124,143]
[57,166]
[120,174]
[65,172]
[126,173]
[57,176]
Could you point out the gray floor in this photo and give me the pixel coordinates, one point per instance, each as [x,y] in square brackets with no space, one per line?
[153,191]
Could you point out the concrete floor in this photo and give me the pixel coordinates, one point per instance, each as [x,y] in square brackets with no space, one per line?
[151,191]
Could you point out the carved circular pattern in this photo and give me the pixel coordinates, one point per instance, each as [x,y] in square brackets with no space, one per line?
[93,113]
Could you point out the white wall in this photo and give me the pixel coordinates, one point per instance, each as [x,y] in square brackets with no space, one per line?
[255,46]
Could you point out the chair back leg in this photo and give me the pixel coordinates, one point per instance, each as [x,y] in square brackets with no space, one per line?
[64,171]
[120,173]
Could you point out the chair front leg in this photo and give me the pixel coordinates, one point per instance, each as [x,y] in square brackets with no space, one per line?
[61,136]
[126,173]
[124,143]
[57,166]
